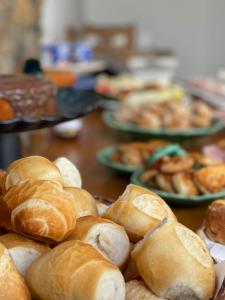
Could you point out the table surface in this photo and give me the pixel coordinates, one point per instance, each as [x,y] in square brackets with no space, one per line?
[98,179]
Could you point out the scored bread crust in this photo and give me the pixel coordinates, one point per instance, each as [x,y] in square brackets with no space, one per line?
[106,236]
[175,263]
[41,209]
[31,168]
[137,290]
[12,285]
[75,270]
[139,210]
[83,202]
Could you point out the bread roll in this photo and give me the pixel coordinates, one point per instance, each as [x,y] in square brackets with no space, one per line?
[137,290]
[214,222]
[75,270]
[41,209]
[12,285]
[106,236]
[175,263]
[22,250]
[83,202]
[70,174]
[31,168]
[139,210]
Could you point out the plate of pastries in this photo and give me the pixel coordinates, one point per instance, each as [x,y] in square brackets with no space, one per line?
[28,102]
[190,178]
[128,157]
[170,119]
[59,243]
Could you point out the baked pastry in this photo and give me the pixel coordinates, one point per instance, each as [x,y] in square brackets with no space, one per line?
[201,160]
[164,182]
[83,202]
[22,250]
[41,209]
[69,172]
[214,221]
[12,285]
[26,96]
[138,210]
[31,168]
[210,179]
[106,236]
[184,184]
[137,290]
[75,270]
[175,263]
[175,164]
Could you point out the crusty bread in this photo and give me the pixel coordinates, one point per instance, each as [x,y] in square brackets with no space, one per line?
[137,290]
[106,236]
[70,174]
[215,220]
[101,207]
[75,270]
[12,285]
[175,263]
[139,210]
[83,202]
[31,168]
[42,209]
[22,250]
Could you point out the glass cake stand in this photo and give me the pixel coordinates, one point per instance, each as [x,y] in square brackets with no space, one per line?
[71,104]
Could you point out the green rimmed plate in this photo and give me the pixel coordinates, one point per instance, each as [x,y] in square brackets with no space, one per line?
[162,133]
[104,156]
[176,198]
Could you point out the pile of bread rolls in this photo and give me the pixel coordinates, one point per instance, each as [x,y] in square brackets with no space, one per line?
[61,244]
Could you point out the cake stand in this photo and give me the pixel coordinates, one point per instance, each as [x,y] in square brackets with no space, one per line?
[71,104]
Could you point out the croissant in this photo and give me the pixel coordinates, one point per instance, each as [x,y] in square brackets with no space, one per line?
[83,202]
[106,236]
[138,210]
[41,209]
[12,285]
[22,250]
[75,270]
[31,168]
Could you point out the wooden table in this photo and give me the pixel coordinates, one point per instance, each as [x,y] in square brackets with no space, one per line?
[98,179]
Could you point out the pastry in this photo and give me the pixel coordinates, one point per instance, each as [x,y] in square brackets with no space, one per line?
[138,210]
[75,270]
[175,164]
[26,96]
[69,172]
[31,168]
[22,250]
[210,179]
[175,263]
[41,209]
[106,236]
[184,184]
[164,182]
[83,202]
[12,285]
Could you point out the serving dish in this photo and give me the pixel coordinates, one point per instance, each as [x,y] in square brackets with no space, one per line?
[162,133]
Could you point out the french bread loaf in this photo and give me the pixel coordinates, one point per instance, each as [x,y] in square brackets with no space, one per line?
[106,236]
[139,210]
[75,270]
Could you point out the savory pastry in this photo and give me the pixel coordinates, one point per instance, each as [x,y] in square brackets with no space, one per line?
[202,114]
[75,270]
[184,184]
[164,182]
[41,209]
[83,202]
[22,250]
[175,164]
[202,160]
[106,236]
[147,119]
[137,290]
[31,168]
[12,285]
[175,263]
[138,210]
[69,172]
[214,222]
[210,179]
